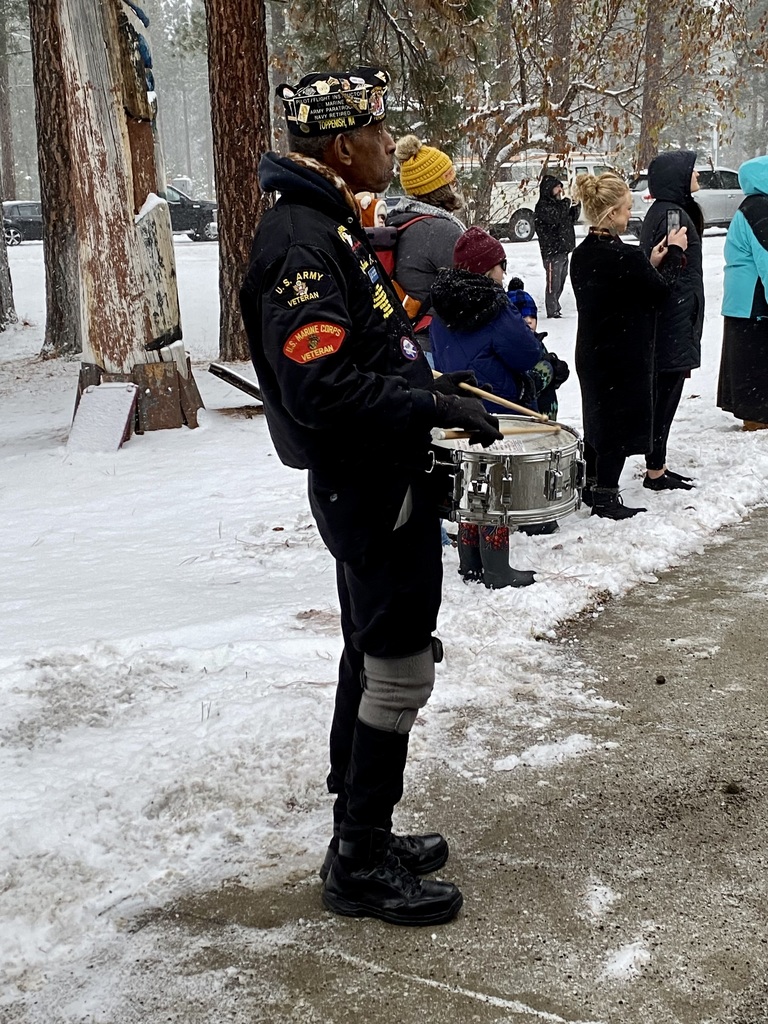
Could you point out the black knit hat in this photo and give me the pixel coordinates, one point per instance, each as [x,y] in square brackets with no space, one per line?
[329,102]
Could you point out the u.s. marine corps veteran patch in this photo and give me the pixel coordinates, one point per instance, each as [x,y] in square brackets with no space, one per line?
[300,287]
[313,341]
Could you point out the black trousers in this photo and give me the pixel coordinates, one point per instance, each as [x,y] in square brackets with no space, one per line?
[555,274]
[667,393]
[603,468]
[389,598]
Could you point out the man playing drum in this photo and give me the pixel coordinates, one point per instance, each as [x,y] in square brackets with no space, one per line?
[349,396]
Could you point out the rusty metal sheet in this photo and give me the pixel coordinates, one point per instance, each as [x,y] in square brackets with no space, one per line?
[191,400]
[159,405]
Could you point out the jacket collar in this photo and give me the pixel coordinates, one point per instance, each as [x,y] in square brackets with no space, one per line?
[300,178]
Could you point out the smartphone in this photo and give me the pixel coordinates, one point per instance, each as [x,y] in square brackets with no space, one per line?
[673,221]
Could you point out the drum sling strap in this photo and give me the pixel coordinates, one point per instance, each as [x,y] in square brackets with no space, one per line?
[755,209]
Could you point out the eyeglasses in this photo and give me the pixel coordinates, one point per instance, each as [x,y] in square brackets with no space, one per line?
[503,265]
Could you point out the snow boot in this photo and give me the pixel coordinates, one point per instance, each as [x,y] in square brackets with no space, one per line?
[587,492]
[608,504]
[667,482]
[470,563]
[540,529]
[367,880]
[754,425]
[494,552]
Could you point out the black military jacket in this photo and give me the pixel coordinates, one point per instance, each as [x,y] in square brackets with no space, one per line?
[345,384]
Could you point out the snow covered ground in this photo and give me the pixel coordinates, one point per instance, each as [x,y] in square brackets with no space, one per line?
[169,637]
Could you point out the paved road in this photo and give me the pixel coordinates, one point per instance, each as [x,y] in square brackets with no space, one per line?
[625,886]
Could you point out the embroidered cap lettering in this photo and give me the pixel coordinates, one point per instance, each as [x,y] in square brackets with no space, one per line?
[313,341]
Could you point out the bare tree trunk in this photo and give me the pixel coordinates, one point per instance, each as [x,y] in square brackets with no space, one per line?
[7,308]
[562,14]
[238,74]
[652,118]
[63,329]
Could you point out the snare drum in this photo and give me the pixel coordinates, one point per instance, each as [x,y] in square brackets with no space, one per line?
[523,480]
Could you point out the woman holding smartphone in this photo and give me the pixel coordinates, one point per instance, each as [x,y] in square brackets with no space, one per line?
[671,181]
[618,292]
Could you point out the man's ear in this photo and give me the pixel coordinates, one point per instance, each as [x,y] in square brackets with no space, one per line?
[342,152]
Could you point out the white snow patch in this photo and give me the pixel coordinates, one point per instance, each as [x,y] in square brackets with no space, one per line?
[626,962]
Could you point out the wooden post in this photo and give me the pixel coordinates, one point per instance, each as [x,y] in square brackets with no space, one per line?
[128,283]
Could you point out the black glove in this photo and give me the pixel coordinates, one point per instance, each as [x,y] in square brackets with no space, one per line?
[560,369]
[469,413]
[448,383]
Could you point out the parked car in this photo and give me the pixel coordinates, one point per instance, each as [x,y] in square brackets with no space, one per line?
[719,197]
[516,190]
[22,221]
[196,218]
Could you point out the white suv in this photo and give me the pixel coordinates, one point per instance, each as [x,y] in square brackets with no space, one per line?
[718,195]
[516,191]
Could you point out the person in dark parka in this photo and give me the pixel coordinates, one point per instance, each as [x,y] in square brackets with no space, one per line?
[554,216]
[680,321]
[743,384]
[618,292]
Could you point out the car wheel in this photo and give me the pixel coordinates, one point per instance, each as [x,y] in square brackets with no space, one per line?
[634,230]
[12,236]
[211,231]
[521,227]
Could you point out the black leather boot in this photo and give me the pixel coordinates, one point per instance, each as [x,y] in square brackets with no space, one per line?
[608,504]
[494,551]
[419,854]
[367,880]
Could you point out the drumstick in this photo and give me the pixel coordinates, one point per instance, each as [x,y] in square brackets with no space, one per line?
[506,429]
[490,397]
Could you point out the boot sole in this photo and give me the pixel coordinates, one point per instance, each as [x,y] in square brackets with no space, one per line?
[346,908]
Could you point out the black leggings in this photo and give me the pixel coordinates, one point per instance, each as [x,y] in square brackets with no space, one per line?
[669,389]
[603,468]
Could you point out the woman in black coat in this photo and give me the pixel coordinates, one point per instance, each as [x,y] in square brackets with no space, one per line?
[618,291]
[680,321]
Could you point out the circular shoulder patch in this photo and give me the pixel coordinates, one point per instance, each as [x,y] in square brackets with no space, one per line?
[409,348]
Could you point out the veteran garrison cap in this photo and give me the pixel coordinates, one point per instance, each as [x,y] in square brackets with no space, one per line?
[329,102]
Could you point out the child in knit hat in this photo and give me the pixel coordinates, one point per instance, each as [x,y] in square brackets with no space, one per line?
[523,301]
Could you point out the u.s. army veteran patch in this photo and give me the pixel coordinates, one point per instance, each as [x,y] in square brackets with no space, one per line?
[300,287]
[313,341]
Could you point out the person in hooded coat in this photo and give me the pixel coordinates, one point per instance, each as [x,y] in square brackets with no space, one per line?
[618,292]
[554,216]
[743,385]
[680,321]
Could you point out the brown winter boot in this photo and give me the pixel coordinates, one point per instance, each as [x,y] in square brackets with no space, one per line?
[754,425]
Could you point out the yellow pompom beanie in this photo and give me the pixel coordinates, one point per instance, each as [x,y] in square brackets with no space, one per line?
[423,168]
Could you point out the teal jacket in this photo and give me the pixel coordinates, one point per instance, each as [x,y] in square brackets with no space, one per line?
[746,259]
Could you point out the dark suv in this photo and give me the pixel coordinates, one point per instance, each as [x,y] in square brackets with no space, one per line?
[22,221]
[195,217]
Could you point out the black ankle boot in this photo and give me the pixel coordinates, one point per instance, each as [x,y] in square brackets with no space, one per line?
[366,880]
[420,854]
[587,493]
[494,551]
[667,482]
[607,504]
